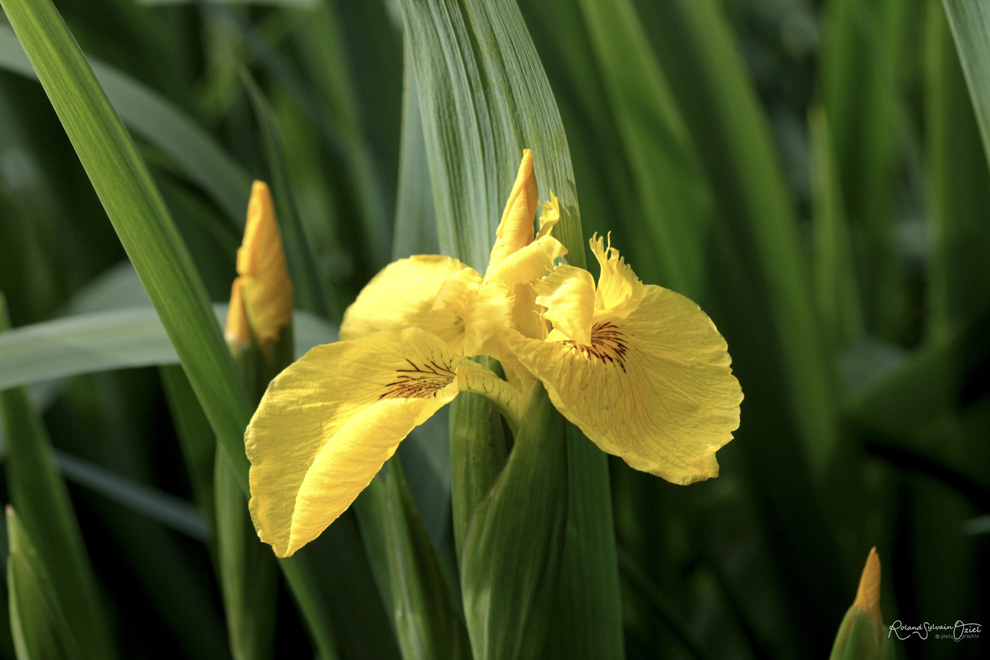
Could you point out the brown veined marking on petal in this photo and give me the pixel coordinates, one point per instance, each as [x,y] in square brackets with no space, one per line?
[608,344]
[419,381]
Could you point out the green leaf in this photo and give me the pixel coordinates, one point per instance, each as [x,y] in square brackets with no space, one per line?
[166,509]
[959,182]
[478,449]
[196,440]
[248,573]
[515,546]
[148,234]
[162,124]
[140,218]
[836,290]
[970,23]
[859,637]
[426,617]
[415,219]
[668,179]
[37,490]
[37,617]
[114,339]
[862,61]
[484,98]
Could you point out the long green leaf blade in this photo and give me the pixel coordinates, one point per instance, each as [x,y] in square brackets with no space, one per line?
[428,623]
[514,550]
[37,490]
[155,119]
[38,618]
[484,97]
[146,230]
[667,174]
[970,23]
[113,339]
[142,222]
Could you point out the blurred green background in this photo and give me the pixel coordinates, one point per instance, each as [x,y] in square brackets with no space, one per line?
[812,173]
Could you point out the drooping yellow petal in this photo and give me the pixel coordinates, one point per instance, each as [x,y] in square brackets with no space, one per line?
[654,387]
[515,230]
[329,422]
[237,332]
[569,296]
[868,593]
[619,290]
[266,289]
[402,296]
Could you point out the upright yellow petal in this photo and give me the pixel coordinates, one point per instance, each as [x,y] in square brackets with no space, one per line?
[402,296]
[515,230]
[329,422]
[619,290]
[266,289]
[549,215]
[654,388]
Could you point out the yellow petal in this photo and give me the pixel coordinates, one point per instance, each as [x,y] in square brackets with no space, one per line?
[402,296]
[569,296]
[237,331]
[329,422]
[654,388]
[549,215]
[267,291]
[868,593]
[529,263]
[516,227]
[527,314]
[619,290]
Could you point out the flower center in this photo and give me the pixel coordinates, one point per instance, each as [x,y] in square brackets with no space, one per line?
[608,344]
[419,381]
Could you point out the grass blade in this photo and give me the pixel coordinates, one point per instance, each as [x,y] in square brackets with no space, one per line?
[484,98]
[162,124]
[427,620]
[415,219]
[38,619]
[960,184]
[836,290]
[667,175]
[146,231]
[113,339]
[143,224]
[861,61]
[970,23]
[38,491]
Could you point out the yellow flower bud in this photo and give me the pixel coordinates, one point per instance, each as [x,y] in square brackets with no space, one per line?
[237,332]
[263,282]
[860,634]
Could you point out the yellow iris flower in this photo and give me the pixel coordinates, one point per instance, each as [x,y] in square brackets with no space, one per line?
[641,370]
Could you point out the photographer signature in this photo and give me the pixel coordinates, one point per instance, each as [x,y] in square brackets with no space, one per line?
[958,630]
